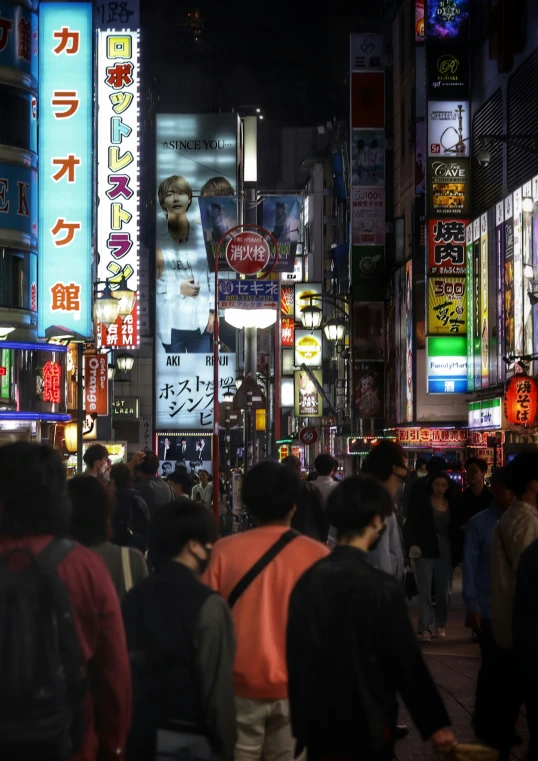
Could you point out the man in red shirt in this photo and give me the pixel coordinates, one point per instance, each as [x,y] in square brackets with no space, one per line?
[260,608]
[34,509]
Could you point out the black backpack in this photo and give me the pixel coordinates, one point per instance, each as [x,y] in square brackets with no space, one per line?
[42,682]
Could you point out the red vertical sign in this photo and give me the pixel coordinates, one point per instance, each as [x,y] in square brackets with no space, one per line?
[96,384]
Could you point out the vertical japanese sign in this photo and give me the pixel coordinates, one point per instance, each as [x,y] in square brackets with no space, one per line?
[196,156]
[484,315]
[471,307]
[118,77]
[65,167]
[477,323]
[499,252]
[518,273]
[509,335]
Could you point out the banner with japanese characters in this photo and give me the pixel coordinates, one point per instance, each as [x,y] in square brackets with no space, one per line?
[117,180]
[447,306]
[446,246]
[196,157]
[65,173]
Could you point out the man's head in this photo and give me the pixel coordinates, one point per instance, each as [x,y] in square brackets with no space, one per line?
[182,465]
[91,506]
[185,533]
[149,466]
[325,464]
[502,495]
[175,195]
[293,463]
[181,483]
[217,186]
[33,491]
[121,476]
[475,471]
[422,467]
[166,469]
[359,508]
[203,475]
[436,465]
[387,462]
[270,492]
[521,477]
[96,458]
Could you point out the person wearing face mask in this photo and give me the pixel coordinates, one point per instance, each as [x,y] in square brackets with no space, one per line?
[181,643]
[344,707]
[97,462]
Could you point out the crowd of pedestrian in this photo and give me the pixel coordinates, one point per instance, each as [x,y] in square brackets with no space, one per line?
[130,630]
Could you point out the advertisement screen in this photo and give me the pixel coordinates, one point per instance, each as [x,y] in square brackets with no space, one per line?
[448,19]
[449,187]
[308,402]
[369,396]
[196,157]
[446,246]
[368,157]
[65,155]
[192,452]
[448,72]
[448,128]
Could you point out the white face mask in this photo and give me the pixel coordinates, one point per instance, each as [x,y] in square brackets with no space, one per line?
[420,474]
[105,472]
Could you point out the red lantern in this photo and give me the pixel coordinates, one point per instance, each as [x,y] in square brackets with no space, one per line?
[521,402]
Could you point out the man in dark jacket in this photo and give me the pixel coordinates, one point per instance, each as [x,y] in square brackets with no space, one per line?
[310,518]
[181,643]
[344,706]
[526,638]
[154,491]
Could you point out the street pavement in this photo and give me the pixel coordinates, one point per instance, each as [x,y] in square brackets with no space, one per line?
[454,664]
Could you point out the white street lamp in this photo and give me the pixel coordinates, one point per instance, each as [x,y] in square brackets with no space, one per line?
[106,308]
[125,362]
[311,317]
[335,329]
[250,318]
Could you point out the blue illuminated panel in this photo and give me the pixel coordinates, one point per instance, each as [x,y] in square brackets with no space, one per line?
[65,167]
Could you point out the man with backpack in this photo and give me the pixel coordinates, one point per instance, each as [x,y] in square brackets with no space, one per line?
[255,571]
[65,689]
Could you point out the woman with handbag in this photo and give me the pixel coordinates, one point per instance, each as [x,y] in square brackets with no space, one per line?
[429,534]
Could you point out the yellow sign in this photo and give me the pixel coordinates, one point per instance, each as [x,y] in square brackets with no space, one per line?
[447,306]
[308,348]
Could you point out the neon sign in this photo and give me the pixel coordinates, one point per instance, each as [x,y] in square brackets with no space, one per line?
[52,376]
[65,177]
[117,178]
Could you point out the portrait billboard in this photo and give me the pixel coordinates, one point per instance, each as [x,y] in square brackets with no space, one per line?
[185,450]
[308,401]
[448,128]
[419,21]
[369,393]
[218,215]
[281,216]
[65,179]
[196,157]
[449,187]
[367,157]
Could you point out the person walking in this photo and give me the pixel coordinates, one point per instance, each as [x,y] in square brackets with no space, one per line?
[475,498]
[477,598]
[34,522]
[309,518]
[429,533]
[130,519]
[181,483]
[255,571]
[154,491]
[326,466]
[97,461]
[181,643]
[344,706]
[516,530]
[91,525]
[203,492]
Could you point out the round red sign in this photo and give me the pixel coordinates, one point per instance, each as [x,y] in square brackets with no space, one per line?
[247,253]
[308,436]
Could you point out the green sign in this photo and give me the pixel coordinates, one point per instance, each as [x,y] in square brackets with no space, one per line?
[5,374]
[470,307]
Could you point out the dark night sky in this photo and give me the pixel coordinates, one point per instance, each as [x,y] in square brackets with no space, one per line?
[294,62]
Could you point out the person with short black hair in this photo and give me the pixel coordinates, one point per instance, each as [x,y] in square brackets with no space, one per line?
[344,707]
[91,525]
[326,466]
[97,461]
[35,511]
[203,491]
[475,498]
[153,490]
[310,518]
[181,483]
[259,603]
[130,519]
[181,642]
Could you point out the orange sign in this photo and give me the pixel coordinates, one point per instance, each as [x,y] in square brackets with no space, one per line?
[96,384]
[521,401]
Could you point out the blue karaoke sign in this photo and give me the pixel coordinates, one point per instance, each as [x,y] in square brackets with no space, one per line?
[65,167]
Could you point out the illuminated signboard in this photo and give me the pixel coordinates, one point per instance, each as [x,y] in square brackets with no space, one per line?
[485,415]
[419,20]
[470,305]
[449,187]
[447,306]
[448,128]
[308,348]
[448,19]
[446,246]
[65,167]
[52,378]
[117,179]
[303,290]
[96,384]
[518,273]
[288,332]
[447,365]
[484,315]
[308,401]
[448,71]
[5,373]
[428,437]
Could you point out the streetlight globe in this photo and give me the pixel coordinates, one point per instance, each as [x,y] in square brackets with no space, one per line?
[227,397]
[311,317]
[528,205]
[125,362]
[335,329]
[106,308]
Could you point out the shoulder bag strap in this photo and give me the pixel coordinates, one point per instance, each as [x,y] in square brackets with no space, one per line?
[55,551]
[126,565]
[260,565]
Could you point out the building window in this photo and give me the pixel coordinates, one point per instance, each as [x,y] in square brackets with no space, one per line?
[18,279]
